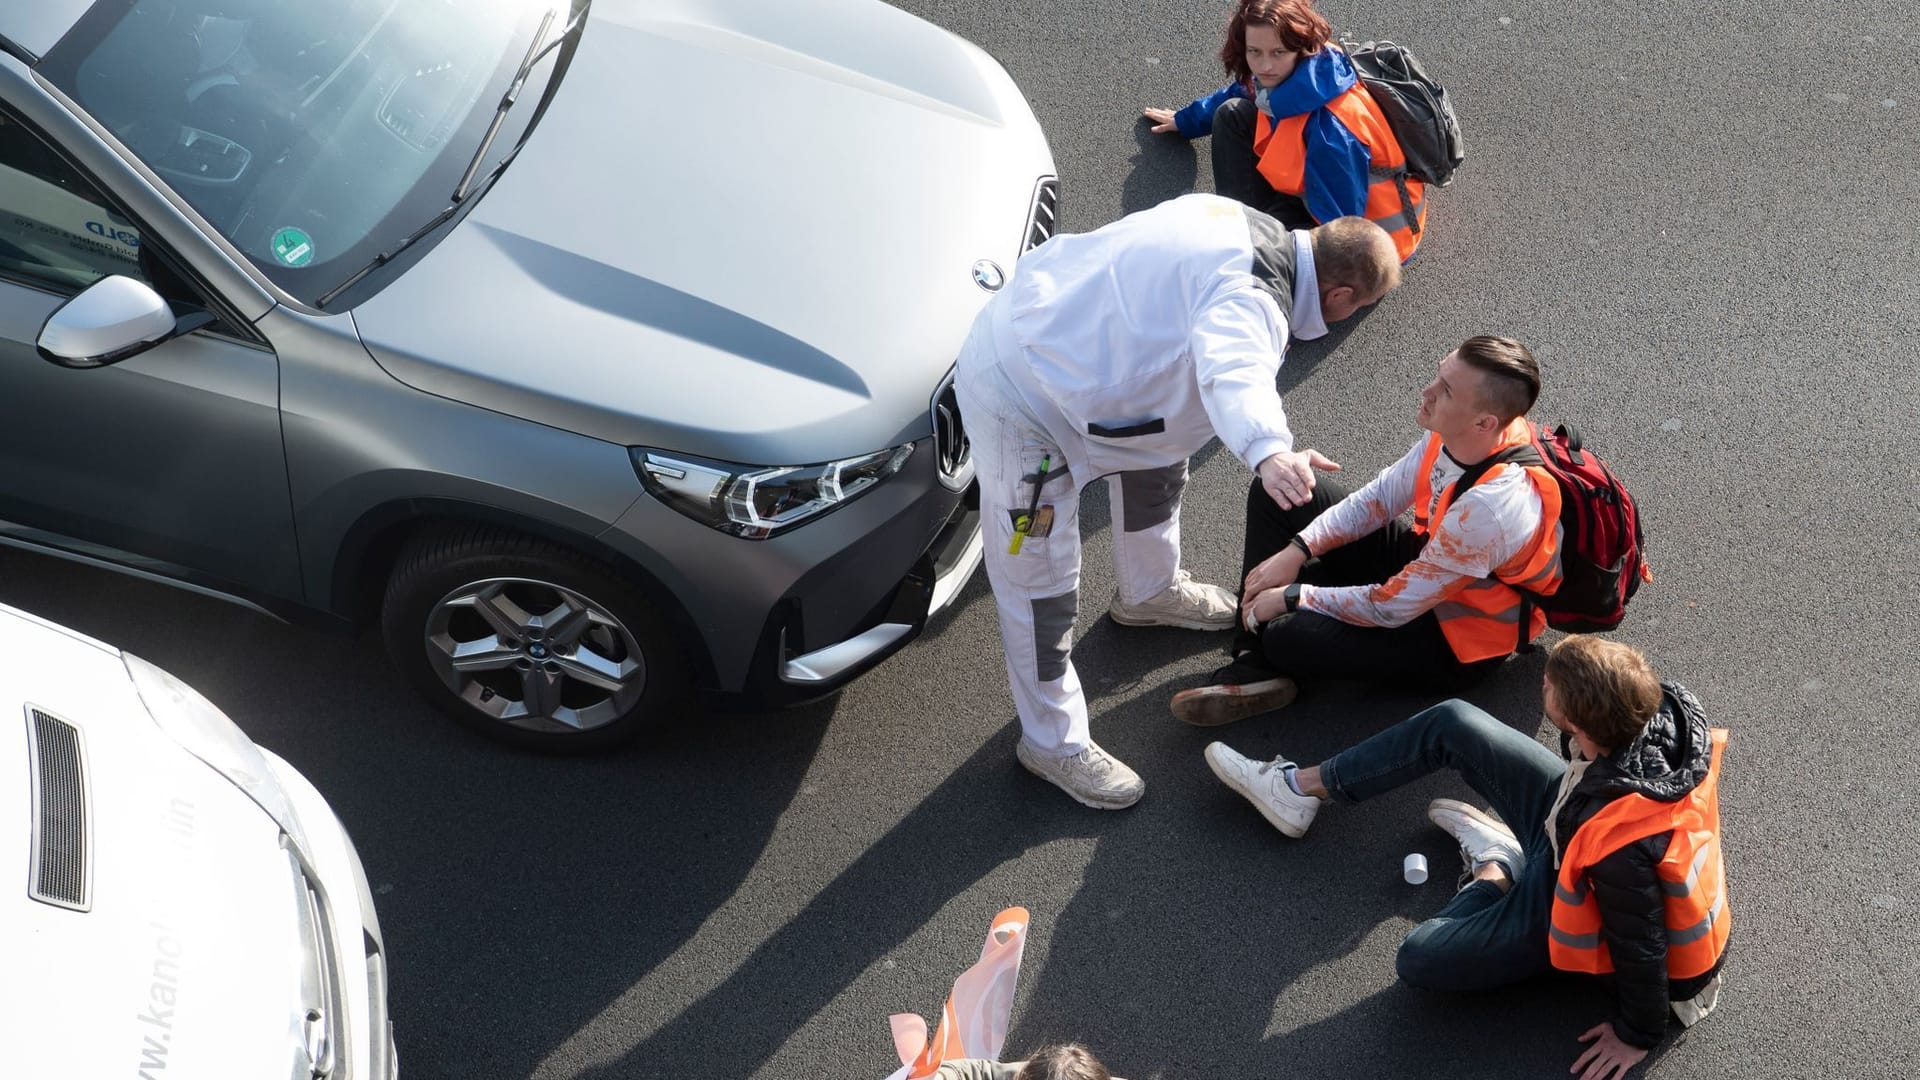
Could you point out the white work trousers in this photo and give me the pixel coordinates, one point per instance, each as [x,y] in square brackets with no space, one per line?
[1037,590]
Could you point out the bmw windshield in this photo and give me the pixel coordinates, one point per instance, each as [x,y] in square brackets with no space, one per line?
[313,134]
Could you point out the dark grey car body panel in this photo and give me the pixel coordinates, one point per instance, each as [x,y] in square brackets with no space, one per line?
[786,318]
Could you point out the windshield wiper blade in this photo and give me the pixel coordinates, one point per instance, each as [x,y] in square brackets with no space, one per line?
[468,183]
[388,255]
[534,53]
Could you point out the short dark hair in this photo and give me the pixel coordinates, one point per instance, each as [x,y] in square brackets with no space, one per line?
[1513,382]
[1357,253]
[1606,689]
[1302,30]
[1067,1061]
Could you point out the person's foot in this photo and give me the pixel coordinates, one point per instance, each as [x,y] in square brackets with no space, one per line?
[1093,777]
[1264,784]
[1483,839]
[1186,603]
[1246,687]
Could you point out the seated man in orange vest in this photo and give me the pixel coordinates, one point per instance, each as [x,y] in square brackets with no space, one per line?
[1608,864]
[1433,605]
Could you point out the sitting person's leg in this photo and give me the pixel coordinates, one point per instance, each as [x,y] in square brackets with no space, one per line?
[1489,934]
[1308,646]
[1236,172]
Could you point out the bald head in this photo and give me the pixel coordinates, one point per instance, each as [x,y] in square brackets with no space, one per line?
[1357,264]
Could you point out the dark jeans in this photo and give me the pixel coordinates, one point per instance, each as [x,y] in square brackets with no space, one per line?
[1481,938]
[1234,166]
[1307,645]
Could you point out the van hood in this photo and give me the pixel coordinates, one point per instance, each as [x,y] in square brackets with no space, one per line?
[744,229]
[188,890]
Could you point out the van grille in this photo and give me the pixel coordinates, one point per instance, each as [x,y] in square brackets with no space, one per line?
[952,451]
[1044,218]
[58,875]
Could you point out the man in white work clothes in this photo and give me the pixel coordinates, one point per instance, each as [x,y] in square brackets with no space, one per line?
[1118,353]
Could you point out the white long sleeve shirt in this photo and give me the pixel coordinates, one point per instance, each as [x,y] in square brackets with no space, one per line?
[1485,526]
[1152,334]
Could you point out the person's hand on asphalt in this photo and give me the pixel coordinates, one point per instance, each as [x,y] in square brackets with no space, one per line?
[1288,477]
[1608,1056]
[1162,120]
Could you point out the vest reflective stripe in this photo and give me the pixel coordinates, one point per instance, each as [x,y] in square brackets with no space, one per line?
[1481,619]
[1682,888]
[1692,878]
[1700,929]
[1281,149]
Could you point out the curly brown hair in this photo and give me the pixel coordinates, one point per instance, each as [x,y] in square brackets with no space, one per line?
[1301,29]
[1606,689]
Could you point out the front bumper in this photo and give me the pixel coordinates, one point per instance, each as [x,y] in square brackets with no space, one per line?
[795,617]
[929,588]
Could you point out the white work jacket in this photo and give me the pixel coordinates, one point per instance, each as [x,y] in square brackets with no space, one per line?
[1141,340]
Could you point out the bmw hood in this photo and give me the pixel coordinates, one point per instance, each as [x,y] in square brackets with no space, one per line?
[744,229]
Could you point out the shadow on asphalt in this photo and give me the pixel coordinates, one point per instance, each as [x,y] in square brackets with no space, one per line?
[983,815]
[1165,167]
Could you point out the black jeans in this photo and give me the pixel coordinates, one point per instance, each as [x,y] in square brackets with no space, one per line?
[1307,645]
[1482,938]
[1234,166]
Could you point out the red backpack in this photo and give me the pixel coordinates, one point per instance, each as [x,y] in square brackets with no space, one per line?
[1601,542]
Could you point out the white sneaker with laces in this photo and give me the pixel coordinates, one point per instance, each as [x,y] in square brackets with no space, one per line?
[1264,784]
[1186,603]
[1093,777]
[1483,839]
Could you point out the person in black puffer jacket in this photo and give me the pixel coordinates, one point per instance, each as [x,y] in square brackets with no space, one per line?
[1612,866]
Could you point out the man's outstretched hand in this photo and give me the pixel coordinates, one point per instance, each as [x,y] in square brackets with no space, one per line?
[1608,1056]
[1288,477]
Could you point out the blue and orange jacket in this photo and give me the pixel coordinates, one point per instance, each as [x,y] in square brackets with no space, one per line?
[1328,144]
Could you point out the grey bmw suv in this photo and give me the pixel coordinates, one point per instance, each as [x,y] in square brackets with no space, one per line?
[599,353]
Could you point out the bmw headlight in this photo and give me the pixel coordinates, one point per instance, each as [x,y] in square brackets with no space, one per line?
[206,733]
[755,501]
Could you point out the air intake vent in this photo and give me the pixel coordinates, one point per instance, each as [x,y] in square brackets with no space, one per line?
[58,875]
[1044,219]
[953,452]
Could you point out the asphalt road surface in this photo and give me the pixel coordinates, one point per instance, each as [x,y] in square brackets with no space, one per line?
[1704,217]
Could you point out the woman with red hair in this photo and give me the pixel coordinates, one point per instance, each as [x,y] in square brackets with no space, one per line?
[1295,134]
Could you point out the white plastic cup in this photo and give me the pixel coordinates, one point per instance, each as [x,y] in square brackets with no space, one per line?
[1414,869]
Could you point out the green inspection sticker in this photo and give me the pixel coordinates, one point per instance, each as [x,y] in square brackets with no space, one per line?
[293,246]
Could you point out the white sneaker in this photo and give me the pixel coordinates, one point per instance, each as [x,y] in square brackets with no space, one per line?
[1093,777]
[1264,784]
[1483,839]
[1186,603]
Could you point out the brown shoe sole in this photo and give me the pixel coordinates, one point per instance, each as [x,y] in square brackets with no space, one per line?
[1213,706]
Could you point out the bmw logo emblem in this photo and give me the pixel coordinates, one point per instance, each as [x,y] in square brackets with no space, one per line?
[988,275]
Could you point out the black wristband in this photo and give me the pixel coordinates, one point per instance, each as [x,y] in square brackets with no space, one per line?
[1301,544]
[1292,595]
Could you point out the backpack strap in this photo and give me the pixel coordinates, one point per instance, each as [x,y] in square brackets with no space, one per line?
[1523,456]
[1409,214]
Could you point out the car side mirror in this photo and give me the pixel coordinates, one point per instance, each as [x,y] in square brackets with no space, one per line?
[109,321]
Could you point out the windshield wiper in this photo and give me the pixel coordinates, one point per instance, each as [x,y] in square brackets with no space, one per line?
[534,53]
[468,183]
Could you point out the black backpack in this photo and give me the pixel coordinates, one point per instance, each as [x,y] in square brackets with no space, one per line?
[1416,108]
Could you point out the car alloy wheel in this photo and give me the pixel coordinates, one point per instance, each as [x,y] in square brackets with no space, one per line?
[534,655]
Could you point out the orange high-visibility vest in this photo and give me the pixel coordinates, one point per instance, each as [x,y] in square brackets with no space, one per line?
[1481,620]
[1691,875]
[1282,153]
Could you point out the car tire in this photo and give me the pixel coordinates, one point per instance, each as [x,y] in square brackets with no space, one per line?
[529,642]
